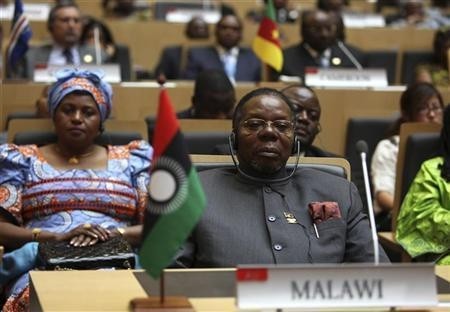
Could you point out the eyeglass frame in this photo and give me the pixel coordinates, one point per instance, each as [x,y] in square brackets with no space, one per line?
[267,123]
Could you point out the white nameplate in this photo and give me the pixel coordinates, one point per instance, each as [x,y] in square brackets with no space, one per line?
[345,77]
[47,73]
[185,15]
[336,286]
[34,11]
[363,20]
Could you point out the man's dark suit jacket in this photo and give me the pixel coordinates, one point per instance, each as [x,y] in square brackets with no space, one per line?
[170,63]
[202,58]
[40,54]
[297,58]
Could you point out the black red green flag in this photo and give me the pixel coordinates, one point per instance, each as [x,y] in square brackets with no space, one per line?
[176,195]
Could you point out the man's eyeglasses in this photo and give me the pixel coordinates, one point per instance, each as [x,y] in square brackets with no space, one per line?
[257,124]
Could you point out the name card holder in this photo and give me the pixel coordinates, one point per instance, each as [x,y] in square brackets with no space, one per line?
[342,286]
[34,11]
[345,77]
[44,73]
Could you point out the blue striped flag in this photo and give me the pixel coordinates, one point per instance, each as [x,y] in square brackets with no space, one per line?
[19,37]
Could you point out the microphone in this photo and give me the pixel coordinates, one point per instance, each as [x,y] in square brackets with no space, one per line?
[362,149]
[349,54]
[261,180]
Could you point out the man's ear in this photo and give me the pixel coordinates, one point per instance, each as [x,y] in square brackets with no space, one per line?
[319,128]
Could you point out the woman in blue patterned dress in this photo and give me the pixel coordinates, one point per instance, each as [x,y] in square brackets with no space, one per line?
[73,190]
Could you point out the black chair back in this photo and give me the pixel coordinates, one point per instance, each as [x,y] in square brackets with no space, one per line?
[371,130]
[386,59]
[419,147]
[410,61]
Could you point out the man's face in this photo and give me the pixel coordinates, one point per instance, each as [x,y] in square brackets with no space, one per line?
[279,4]
[229,32]
[307,113]
[66,28]
[265,134]
[320,30]
[197,28]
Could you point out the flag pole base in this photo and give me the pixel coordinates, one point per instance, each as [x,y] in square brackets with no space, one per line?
[176,304]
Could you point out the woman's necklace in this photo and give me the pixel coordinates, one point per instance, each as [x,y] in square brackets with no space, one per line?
[74,159]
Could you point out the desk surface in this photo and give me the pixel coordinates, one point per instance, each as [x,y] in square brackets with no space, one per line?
[112,291]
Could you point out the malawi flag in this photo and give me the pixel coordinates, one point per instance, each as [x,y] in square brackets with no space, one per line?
[266,45]
[19,37]
[176,195]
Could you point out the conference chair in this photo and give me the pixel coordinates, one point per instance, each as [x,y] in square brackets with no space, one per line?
[123,58]
[18,115]
[386,59]
[40,132]
[337,166]
[201,135]
[410,61]
[371,130]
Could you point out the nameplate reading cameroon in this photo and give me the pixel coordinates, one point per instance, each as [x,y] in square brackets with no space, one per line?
[336,286]
[341,78]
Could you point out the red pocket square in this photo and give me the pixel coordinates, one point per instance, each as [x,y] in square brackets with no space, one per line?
[322,211]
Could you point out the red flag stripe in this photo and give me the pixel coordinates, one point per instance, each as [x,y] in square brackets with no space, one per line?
[166,125]
[267,29]
[16,31]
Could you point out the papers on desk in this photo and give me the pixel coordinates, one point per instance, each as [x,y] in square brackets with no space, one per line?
[336,286]
[43,73]
[345,77]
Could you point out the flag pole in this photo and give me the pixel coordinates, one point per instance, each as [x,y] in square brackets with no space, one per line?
[162,288]
[162,302]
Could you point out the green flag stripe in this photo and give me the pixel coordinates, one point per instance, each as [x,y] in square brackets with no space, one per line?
[170,231]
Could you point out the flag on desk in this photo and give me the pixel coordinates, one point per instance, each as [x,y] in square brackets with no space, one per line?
[19,37]
[176,195]
[266,45]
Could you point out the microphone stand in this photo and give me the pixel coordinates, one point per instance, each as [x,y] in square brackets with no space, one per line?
[370,209]
[352,58]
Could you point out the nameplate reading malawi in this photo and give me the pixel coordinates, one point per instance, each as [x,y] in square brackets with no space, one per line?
[336,286]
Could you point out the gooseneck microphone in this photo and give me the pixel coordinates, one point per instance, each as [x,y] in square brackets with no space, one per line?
[349,54]
[362,149]
[264,180]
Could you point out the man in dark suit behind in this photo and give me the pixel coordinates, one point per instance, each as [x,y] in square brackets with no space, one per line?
[307,117]
[240,63]
[319,47]
[172,60]
[64,25]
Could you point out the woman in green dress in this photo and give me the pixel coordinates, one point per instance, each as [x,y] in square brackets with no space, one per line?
[423,225]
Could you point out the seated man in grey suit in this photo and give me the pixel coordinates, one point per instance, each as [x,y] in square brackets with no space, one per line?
[64,26]
[240,63]
[307,116]
[320,47]
[261,212]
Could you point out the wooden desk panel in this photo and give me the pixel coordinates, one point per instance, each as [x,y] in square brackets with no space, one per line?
[135,101]
[112,291]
